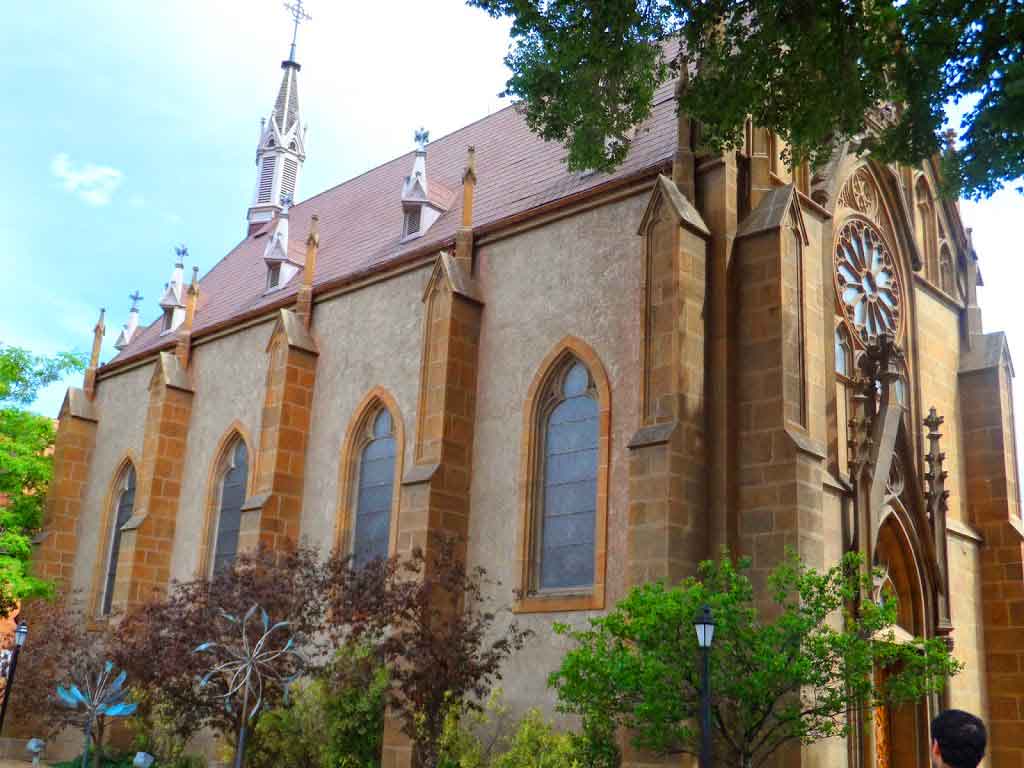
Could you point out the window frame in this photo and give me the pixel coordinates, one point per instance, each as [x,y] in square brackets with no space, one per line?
[540,403]
[366,438]
[106,544]
[352,448]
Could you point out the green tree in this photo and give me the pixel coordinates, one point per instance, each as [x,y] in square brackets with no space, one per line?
[25,464]
[811,72]
[804,672]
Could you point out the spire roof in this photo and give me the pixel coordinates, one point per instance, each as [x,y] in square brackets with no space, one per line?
[286,108]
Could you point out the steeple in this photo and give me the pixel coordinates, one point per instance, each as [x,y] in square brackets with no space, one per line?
[281,148]
[128,329]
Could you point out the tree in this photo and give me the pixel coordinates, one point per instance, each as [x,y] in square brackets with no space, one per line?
[442,647]
[155,642]
[812,73]
[25,465]
[805,673]
[59,650]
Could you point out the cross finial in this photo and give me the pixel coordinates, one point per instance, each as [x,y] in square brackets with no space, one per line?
[421,137]
[299,15]
[136,298]
[181,252]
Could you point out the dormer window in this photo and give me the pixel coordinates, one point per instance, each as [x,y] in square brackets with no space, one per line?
[168,319]
[273,276]
[412,222]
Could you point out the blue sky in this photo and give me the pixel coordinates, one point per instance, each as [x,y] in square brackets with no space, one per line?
[131,127]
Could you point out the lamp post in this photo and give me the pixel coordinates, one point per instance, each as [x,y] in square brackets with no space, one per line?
[19,640]
[705,626]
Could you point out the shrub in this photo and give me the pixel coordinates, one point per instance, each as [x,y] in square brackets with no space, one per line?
[335,720]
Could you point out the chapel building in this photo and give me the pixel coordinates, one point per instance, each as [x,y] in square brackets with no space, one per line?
[595,379]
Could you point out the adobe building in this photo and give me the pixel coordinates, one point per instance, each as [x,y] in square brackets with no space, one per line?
[596,379]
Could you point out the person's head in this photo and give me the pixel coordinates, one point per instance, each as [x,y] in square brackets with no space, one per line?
[958,739]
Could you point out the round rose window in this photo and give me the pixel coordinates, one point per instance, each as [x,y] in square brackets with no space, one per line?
[867,281]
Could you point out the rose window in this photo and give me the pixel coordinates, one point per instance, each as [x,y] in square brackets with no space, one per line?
[867,281]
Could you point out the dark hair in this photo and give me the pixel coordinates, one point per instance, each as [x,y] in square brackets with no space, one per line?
[961,738]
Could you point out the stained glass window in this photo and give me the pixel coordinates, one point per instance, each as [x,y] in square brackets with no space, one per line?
[375,491]
[123,507]
[566,524]
[232,498]
[867,281]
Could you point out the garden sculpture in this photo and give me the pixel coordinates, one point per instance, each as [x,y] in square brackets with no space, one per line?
[104,697]
[244,668]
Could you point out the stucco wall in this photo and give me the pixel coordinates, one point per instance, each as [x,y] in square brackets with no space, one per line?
[579,276]
[121,403]
[372,337]
[228,376]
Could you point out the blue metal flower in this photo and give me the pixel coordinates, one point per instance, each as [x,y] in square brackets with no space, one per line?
[102,697]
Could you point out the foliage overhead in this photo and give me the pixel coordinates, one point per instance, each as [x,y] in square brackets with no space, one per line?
[25,466]
[804,672]
[813,73]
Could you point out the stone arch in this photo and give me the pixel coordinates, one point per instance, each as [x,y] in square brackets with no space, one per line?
[925,226]
[369,407]
[232,435]
[535,411]
[107,535]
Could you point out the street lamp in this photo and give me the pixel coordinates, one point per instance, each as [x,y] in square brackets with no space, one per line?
[705,626]
[19,640]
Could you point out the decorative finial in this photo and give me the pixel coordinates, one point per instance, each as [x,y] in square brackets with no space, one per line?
[195,279]
[422,138]
[470,171]
[299,15]
[181,252]
[136,298]
[286,203]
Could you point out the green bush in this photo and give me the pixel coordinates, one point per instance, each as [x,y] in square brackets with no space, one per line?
[333,721]
[475,740]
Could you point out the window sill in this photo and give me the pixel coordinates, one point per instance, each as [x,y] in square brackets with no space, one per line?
[562,602]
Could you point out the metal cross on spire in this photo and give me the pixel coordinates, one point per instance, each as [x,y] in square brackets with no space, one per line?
[136,298]
[299,15]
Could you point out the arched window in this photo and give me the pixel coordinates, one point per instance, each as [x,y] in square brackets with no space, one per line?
[844,353]
[946,270]
[926,228]
[233,482]
[567,494]
[374,490]
[124,503]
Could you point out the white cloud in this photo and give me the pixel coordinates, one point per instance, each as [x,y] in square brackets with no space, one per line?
[94,184]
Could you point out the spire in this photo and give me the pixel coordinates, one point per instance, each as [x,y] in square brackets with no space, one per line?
[464,235]
[183,344]
[172,303]
[281,148]
[129,328]
[98,332]
[304,300]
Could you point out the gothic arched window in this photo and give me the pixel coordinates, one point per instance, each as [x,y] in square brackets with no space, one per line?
[233,482]
[564,532]
[946,270]
[124,504]
[844,353]
[374,490]
[926,227]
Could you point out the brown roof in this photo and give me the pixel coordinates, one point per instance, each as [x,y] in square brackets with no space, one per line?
[361,219]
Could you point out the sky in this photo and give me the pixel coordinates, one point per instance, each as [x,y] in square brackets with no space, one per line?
[131,127]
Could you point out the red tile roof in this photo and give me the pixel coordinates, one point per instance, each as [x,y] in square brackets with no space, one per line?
[361,219]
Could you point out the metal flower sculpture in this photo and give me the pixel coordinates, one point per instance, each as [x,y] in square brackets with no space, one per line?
[245,668]
[104,697]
